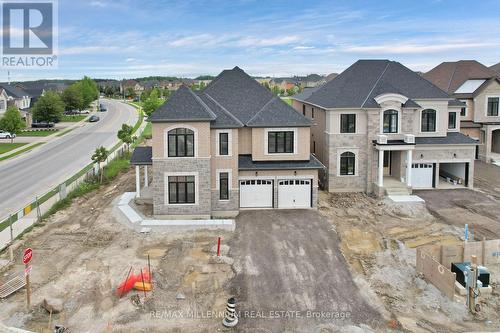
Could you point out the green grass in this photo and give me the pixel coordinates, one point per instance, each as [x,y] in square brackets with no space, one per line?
[65,132]
[37,133]
[148,131]
[6,147]
[73,118]
[115,167]
[22,150]
[287,100]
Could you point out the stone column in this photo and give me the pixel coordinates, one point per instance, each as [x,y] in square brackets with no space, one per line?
[380,169]
[409,155]
[137,181]
[146,180]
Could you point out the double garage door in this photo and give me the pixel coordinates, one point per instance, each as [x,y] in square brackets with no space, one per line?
[292,193]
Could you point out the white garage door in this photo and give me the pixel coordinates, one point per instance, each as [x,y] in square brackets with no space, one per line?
[294,193]
[421,175]
[256,193]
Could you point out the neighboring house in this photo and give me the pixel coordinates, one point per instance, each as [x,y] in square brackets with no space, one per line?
[381,128]
[232,146]
[126,84]
[3,101]
[283,83]
[479,87]
[496,68]
[20,98]
[310,81]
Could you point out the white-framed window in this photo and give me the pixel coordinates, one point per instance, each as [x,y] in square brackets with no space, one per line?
[452,120]
[223,142]
[492,106]
[390,121]
[280,141]
[181,188]
[223,183]
[463,110]
[428,120]
[181,141]
[348,123]
[347,162]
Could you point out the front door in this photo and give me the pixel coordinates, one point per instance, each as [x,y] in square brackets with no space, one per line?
[387,162]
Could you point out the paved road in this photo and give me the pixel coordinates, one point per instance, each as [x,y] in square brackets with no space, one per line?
[24,177]
[290,261]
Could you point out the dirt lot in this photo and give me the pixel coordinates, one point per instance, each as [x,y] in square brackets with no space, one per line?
[83,253]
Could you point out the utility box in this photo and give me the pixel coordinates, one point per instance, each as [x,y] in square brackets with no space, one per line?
[460,268]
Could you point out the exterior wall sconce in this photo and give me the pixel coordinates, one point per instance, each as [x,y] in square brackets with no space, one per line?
[454,155]
[295,173]
[421,155]
[256,173]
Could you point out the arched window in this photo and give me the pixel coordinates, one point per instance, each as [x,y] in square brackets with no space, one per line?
[347,164]
[390,121]
[429,120]
[180,142]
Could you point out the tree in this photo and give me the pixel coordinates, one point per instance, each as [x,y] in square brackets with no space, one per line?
[100,156]
[130,92]
[89,89]
[152,103]
[49,107]
[12,121]
[73,98]
[276,90]
[125,134]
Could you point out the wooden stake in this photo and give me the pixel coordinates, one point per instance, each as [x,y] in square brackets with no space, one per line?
[149,270]
[483,251]
[143,285]
[50,320]
[126,280]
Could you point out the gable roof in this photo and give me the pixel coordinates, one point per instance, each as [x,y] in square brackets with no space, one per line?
[232,99]
[449,76]
[13,91]
[496,68]
[358,85]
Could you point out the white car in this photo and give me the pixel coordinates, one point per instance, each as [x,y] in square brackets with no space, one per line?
[6,135]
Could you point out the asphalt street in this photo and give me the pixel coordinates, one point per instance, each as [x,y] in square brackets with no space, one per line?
[35,173]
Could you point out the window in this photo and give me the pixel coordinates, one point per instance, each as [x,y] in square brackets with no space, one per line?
[312,113]
[304,109]
[428,120]
[347,164]
[180,143]
[493,106]
[280,142]
[463,110]
[224,186]
[181,190]
[2,105]
[347,123]
[390,121]
[223,143]
[314,147]
[452,120]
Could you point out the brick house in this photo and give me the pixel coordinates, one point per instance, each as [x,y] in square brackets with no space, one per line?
[233,145]
[381,128]
[479,88]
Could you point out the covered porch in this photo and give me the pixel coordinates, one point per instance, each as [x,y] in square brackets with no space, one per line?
[394,167]
[142,159]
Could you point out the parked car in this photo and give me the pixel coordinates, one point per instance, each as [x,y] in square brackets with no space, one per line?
[103,108]
[72,112]
[94,119]
[6,135]
[85,112]
[42,124]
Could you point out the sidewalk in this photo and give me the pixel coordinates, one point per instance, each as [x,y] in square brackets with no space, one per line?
[37,141]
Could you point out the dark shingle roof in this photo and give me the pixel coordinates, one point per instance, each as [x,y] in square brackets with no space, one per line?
[359,84]
[449,76]
[455,102]
[451,138]
[496,68]
[232,99]
[183,105]
[142,156]
[14,91]
[245,162]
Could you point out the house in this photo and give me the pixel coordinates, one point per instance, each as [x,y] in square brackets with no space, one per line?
[479,88]
[233,145]
[19,97]
[310,81]
[3,101]
[381,128]
[131,84]
[496,68]
[283,83]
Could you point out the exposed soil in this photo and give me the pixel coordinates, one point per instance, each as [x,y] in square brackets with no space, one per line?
[82,253]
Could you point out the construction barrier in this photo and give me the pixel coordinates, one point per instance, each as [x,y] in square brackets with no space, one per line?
[437,274]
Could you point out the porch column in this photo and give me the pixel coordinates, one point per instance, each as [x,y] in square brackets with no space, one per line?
[137,181]
[409,155]
[146,182]
[380,168]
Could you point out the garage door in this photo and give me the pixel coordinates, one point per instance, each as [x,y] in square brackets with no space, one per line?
[256,193]
[294,193]
[421,175]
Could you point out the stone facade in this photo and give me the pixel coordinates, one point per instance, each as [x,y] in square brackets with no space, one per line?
[224,208]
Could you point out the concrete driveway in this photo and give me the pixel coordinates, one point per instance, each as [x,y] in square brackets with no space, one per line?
[291,275]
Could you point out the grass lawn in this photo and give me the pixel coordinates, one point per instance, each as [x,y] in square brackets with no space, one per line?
[73,118]
[148,131]
[37,133]
[287,100]
[5,147]
[20,151]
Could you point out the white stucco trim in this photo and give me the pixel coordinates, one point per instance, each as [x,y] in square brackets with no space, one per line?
[229,139]
[353,150]
[229,182]
[196,187]
[283,129]
[457,121]
[165,140]
[391,97]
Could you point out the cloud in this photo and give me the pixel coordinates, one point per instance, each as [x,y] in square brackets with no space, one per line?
[401,48]
[98,3]
[302,47]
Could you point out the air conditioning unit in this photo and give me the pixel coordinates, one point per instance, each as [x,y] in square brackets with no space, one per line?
[409,138]
[382,139]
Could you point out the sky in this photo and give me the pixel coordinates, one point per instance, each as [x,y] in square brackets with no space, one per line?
[134,38]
